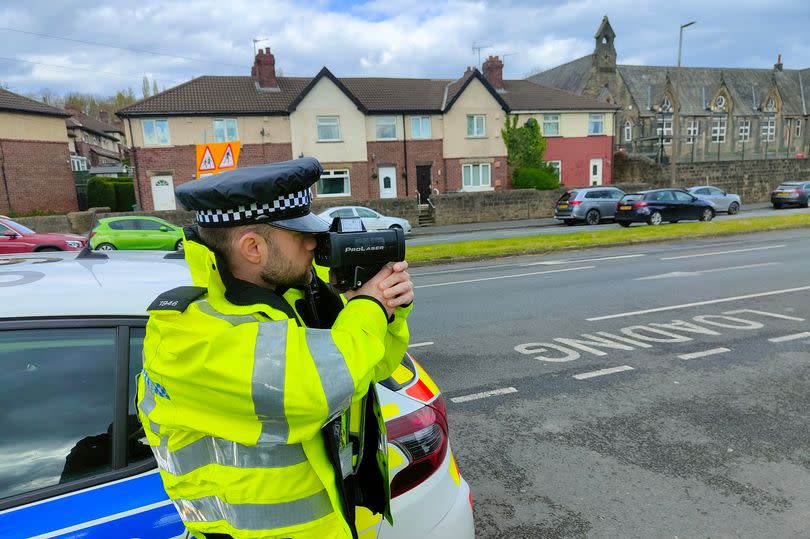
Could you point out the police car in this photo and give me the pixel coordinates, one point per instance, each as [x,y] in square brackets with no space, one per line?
[73,459]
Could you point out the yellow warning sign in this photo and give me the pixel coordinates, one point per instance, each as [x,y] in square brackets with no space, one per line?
[217,157]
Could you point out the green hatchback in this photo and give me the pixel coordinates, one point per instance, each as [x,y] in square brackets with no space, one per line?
[136,232]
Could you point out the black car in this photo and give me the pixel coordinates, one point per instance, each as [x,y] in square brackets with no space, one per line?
[659,205]
[791,193]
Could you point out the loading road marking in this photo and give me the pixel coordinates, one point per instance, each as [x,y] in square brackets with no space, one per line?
[506,277]
[724,252]
[794,337]
[602,372]
[698,303]
[701,272]
[704,353]
[558,262]
[484,394]
[418,344]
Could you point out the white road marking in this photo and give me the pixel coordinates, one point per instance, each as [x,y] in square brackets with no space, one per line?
[484,394]
[602,372]
[764,313]
[698,303]
[676,274]
[704,353]
[795,336]
[558,262]
[418,344]
[715,253]
[504,277]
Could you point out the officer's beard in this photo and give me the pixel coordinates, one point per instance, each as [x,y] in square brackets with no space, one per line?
[280,270]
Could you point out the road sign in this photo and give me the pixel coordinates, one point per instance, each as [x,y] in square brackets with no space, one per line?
[216,157]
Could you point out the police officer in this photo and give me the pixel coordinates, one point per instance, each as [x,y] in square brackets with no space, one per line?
[257,392]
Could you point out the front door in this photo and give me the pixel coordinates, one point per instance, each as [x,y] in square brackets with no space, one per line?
[596,172]
[163,192]
[388,182]
[423,182]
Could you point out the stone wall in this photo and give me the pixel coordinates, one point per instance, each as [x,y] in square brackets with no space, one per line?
[752,180]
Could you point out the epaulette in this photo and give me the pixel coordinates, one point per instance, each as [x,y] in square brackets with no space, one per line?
[177,299]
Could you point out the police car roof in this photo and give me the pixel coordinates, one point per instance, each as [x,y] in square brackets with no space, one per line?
[123,283]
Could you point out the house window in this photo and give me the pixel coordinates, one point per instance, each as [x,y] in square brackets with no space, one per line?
[769,129]
[719,125]
[692,131]
[628,131]
[798,127]
[420,126]
[556,165]
[596,124]
[155,132]
[78,163]
[386,128]
[745,130]
[551,125]
[225,130]
[328,128]
[476,176]
[334,183]
[476,125]
[665,129]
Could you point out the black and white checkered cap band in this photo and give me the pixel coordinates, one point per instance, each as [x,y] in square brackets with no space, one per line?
[284,207]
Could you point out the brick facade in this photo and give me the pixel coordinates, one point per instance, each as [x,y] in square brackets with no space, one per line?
[575,154]
[452,180]
[38,177]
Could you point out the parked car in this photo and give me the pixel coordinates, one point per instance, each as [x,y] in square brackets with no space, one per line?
[791,194]
[587,204]
[372,220]
[74,459]
[136,233]
[659,205]
[18,238]
[722,200]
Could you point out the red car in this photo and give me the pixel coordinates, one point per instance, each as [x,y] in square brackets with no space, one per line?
[16,238]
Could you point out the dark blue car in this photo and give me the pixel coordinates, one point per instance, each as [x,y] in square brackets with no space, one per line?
[659,205]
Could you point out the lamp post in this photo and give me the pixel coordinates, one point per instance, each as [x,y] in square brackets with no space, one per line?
[676,117]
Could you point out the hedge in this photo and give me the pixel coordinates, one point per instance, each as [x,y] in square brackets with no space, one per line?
[535,178]
[115,193]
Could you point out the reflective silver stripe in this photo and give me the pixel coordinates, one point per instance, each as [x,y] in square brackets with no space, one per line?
[255,516]
[336,379]
[234,319]
[147,403]
[211,450]
[269,366]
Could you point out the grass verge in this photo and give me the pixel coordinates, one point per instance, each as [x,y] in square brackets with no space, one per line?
[543,243]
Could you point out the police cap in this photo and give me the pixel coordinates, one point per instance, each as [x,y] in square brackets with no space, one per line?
[277,194]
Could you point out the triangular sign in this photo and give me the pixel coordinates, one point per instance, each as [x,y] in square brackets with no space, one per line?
[227,158]
[207,162]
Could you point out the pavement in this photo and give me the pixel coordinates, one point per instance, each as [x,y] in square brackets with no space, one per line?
[519,223]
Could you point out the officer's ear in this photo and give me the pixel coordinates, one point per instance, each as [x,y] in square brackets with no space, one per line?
[250,246]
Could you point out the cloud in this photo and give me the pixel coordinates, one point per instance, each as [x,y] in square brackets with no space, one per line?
[404,38]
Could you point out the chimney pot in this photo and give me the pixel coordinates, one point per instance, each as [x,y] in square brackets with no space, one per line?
[264,69]
[493,72]
[778,65]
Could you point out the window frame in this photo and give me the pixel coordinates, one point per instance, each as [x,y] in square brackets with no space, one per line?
[225,127]
[744,130]
[719,129]
[421,120]
[661,129]
[475,118]
[347,183]
[551,119]
[155,122]
[557,163]
[120,468]
[768,129]
[595,119]
[481,186]
[798,128]
[692,131]
[391,121]
[628,131]
[318,128]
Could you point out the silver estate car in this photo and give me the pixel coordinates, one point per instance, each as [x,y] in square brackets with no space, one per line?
[587,204]
[722,201]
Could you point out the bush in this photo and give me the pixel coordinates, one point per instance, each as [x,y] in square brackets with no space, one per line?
[100,193]
[124,195]
[544,177]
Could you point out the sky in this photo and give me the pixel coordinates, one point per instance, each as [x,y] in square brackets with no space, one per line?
[99,47]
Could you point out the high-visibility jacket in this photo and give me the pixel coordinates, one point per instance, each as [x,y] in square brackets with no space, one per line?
[234,398]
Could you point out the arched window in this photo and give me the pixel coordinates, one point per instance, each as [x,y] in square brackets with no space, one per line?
[628,131]
[666,105]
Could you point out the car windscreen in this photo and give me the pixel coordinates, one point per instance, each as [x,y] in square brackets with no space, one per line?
[632,198]
[22,229]
[568,195]
[788,186]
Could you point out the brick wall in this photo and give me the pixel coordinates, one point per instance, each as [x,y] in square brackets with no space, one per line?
[752,180]
[452,180]
[38,176]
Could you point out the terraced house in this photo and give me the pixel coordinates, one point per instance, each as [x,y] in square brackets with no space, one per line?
[376,137]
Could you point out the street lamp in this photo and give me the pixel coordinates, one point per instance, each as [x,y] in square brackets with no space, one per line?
[676,117]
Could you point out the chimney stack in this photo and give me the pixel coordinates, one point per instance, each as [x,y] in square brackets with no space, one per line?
[264,70]
[493,72]
[72,110]
[778,65]
[104,116]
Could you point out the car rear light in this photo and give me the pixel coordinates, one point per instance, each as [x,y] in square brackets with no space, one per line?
[639,204]
[422,437]
[575,202]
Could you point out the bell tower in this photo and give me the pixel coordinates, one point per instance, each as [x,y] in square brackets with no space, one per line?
[604,54]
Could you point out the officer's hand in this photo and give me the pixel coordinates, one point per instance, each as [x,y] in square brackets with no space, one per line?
[392,287]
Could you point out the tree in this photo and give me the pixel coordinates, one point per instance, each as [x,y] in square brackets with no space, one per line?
[525,146]
[145,86]
[155,90]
